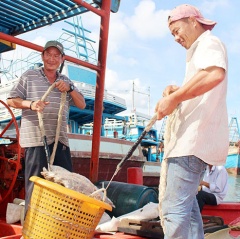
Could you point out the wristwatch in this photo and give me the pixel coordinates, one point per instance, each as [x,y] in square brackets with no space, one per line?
[71,87]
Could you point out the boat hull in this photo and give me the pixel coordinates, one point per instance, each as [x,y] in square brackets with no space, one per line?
[227,211]
[111,152]
[233,164]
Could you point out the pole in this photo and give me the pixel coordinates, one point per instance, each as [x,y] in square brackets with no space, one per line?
[98,107]
[133,97]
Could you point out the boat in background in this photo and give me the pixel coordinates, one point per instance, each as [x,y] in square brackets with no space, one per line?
[233,159]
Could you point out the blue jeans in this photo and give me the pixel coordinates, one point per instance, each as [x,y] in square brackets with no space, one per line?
[181,215]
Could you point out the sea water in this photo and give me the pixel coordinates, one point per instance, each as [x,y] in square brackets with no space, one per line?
[233,194]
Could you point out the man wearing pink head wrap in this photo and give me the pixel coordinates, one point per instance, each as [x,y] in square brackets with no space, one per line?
[198,122]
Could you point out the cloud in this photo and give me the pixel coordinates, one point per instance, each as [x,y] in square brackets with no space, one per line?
[147,22]
[118,32]
[135,93]
[208,7]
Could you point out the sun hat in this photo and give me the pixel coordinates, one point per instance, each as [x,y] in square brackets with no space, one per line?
[186,10]
[56,44]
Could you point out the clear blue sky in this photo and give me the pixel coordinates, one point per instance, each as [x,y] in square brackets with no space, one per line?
[141,48]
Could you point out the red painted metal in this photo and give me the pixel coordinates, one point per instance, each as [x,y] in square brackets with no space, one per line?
[135,175]
[14,165]
[228,211]
[91,8]
[35,47]
[10,231]
[98,107]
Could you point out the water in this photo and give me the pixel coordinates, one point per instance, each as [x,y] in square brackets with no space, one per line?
[233,194]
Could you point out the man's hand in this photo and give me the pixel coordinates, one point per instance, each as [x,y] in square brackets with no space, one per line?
[169,90]
[62,86]
[206,184]
[39,105]
[167,104]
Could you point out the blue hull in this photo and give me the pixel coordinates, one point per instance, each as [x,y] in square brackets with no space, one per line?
[233,163]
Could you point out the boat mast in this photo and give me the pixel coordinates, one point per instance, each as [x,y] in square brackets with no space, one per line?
[143,93]
[133,97]
[234,133]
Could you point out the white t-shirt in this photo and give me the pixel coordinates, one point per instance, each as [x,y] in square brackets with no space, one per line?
[200,125]
[217,178]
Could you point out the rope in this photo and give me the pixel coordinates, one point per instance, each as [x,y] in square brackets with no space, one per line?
[164,166]
[42,129]
[130,152]
[61,108]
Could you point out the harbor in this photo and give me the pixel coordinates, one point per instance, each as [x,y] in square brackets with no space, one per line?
[115,151]
[233,193]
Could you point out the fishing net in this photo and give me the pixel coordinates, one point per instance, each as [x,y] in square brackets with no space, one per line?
[75,182]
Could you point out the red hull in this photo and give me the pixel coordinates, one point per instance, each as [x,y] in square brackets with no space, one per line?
[106,169]
[228,211]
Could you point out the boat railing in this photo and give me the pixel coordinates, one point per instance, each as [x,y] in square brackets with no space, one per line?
[88,91]
[129,122]
[19,66]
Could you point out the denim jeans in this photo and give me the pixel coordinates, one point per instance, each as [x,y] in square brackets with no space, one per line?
[181,214]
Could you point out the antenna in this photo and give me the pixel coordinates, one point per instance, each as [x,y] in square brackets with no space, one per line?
[143,93]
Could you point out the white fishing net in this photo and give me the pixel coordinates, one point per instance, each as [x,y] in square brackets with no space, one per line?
[75,182]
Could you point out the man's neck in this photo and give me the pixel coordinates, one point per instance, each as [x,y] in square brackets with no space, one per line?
[51,75]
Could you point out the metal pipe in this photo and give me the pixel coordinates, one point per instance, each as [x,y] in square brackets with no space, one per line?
[99,12]
[40,49]
[98,107]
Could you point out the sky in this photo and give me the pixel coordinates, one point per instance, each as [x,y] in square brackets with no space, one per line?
[142,51]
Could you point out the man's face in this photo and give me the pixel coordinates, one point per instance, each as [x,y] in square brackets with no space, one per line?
[52,58]
[184,31]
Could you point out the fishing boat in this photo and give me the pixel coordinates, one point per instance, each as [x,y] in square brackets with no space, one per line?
[95,146]
[233,159]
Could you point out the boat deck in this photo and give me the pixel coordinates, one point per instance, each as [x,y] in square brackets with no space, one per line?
[118,235]
[14,231]
[10,231]
[215,218]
